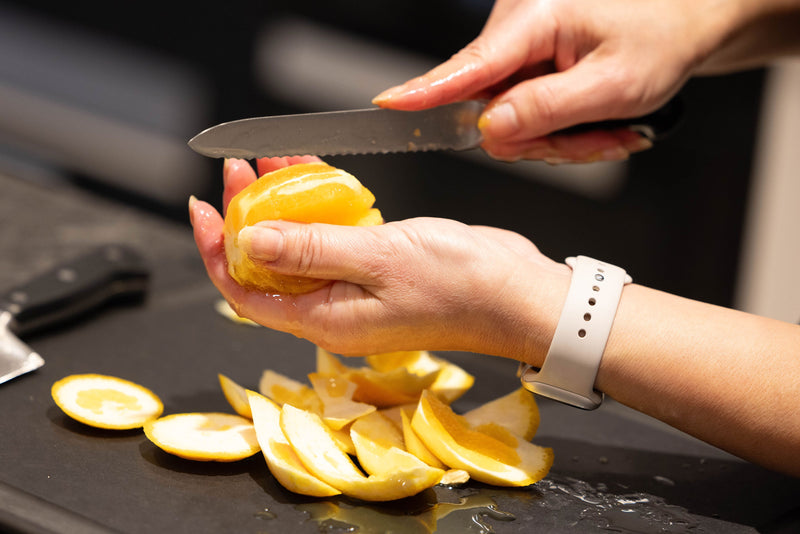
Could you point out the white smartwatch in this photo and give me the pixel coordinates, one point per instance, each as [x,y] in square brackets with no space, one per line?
[570,367]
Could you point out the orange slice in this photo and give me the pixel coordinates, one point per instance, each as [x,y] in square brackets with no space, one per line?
[381,388]
[501,459]
[380,448]
[450,383]
[284,390]
[336,395]
[315,447]
[329,365]
[105,401]
[390,388]
[415,446]
[282,460]
[211,436]
[517,412]
[236,395]
[307,192]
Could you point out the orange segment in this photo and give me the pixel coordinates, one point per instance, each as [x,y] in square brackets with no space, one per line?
[106,401]
[308,192]
[220,437]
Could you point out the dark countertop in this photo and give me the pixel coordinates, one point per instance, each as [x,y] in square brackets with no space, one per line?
[614,469]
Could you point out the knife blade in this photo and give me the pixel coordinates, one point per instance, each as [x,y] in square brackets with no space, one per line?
[66,292]
[380,131]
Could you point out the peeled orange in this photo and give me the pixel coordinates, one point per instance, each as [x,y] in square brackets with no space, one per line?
[306,192]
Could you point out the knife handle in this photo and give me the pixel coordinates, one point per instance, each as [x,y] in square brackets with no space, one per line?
[74,288]
[654,126]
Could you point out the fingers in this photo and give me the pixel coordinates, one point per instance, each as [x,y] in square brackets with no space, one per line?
[207,226]
[236,175]
[593,89]
[265,165]
[504,47]
[587,147]
[279,312]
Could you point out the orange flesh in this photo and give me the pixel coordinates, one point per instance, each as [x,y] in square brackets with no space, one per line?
[307,192]
[93,399]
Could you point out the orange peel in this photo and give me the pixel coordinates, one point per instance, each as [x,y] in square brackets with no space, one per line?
[104,401]
[212,436]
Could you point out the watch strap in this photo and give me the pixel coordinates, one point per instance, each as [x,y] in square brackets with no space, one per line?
[570,367]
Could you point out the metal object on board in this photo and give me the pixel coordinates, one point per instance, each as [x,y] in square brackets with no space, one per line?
[61,294]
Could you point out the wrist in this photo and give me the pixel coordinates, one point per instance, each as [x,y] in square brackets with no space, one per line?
[538,311]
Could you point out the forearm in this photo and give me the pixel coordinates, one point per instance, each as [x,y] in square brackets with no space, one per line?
[727,377]
[752,33]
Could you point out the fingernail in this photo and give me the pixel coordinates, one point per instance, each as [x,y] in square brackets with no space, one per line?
[500,121]
[545,153]
[616,153]
[642,143]
[192,200]
[387,95]
[260,242]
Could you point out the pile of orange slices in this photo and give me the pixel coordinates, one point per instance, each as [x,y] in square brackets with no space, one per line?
[379,432]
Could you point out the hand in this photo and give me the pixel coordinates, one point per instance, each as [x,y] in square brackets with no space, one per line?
[418,284]
[548,65]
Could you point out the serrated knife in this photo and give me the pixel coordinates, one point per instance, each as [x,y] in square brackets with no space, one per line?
[379,131]
[64,293]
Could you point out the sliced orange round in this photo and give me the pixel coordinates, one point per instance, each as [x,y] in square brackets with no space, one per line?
[306,192]
[106,401]
[212,436]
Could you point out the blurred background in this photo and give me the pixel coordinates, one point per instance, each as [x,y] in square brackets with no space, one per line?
[103,98]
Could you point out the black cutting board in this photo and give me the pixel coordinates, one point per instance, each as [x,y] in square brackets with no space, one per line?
[614,468]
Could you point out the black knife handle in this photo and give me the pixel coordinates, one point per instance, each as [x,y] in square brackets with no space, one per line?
[76,287]
[654,126]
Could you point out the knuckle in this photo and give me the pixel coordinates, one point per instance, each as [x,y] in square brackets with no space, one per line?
[305,247]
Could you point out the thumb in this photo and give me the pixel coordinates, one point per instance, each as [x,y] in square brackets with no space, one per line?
[591,90]
[326,251]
